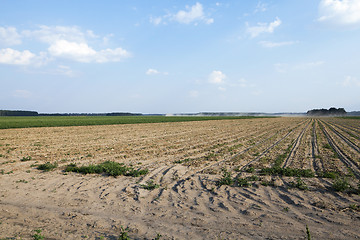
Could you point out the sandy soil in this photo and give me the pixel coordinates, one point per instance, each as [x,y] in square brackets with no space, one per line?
[188,204]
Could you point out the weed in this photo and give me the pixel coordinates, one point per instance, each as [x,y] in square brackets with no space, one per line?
[46,167]
[242,182]
[250,169]
[341,185]
[123,234]
[300,184]
[150,185]
[327,146]
[354,207]
[328,174]
[37,235]
[308,232]
[25,159]
[2,172]
[183,160]
[252,178]
[28,171]
[289,172]
[226,178]
[286,209]
[22,181]
[267,183]
[158,236]
[109,167]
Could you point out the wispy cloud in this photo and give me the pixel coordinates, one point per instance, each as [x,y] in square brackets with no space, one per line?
[152,71]
[21,93]
[66,42]
[345,12]
[217,77]
[261,28]
[268,44]
[9,36]
[351,81]
[285,67]
[260,7]
[191,15]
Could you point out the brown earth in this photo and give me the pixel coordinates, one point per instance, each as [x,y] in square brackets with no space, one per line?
[185,159]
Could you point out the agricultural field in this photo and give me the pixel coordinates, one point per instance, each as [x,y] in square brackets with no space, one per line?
[252,178]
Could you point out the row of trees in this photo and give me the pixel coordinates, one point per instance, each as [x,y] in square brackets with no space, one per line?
[33,113]
[325,112]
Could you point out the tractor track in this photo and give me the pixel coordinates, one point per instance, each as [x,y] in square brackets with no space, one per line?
[317,165]
[345,139]
[295,146]
[346,160]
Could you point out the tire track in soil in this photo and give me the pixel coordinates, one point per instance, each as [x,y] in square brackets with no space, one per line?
[347,161]
[269,148]
[343,127]
[295,147]
[345,139]
[317,162]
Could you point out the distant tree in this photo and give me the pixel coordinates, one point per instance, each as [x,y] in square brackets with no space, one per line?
[324,112]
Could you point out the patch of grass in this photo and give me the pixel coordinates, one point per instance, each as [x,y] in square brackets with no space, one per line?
[158,236]
[252,178]
[250,169]
[341,185]
[327,146]
[183,160]
[288,172]
[226,178]
[22,181]
[25,159]
[308,233]
[37,235]
[328,174]
[300,184]
[123,234]
[46,167]
[243,182]
[150,185]
[109,168]
[354,207]
[2,172]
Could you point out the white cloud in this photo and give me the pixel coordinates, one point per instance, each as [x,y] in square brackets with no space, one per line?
[340,12]
[222,89]
[81,52]
[217,77]
[156,20]
[151,71]
[22,94]
[14,57]
[260,7]
[268,44]
[263,28]
[308,65]
[9,36]
[51,34]
[350,81]
[193,14]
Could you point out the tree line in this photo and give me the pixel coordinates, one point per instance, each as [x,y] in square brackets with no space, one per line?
[327,112]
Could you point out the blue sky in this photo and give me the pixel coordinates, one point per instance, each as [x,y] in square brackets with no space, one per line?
[179,56]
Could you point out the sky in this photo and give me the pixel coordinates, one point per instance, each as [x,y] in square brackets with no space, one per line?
[172,56]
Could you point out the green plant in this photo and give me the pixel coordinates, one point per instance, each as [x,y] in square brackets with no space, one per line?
[37,235]
[308,232]
[341,185]
[24,159]
[150,185]
[300,184]
[123,234]
[328,174]
[250,169]
[252,178]
[242,182]
[158,236]
[109,167]
[226,178]
[47,166]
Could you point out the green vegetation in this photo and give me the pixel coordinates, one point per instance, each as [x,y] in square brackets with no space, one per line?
[57,121]
[243,182]
[109,167]
[300,184]
[24,159]
[341,185]
[328,174]
[308,233]
[37,235]
[150,185]
[226,178]
[46,167]
[289,172]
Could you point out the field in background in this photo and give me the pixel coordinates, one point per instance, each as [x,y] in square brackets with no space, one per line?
[252,178]
[62,121]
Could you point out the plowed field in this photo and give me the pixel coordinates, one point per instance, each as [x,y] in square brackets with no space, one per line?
[265,178]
